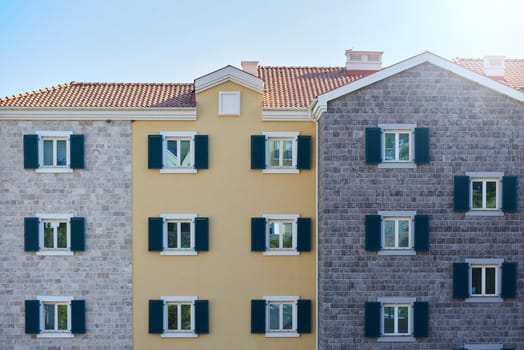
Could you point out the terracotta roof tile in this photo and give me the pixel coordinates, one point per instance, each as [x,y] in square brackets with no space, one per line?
[513,74]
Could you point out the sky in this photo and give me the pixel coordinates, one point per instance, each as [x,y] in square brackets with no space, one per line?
[44,43]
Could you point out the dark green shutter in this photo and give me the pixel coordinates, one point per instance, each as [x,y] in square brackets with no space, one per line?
[201,234]
[77,151]
[201,316]
[373,233]
[303,234]
[509,194]
[258,152]
[156,316]
[31,236]
[372,320]
[509,280]
[304,316]
[201,152]
[421,233]
[258,234]
[156,233]
[420,319]
[304,152]
[155,151]
[32,316]
[373,145]
[460,280]
[78,231]
[258,316]
[422,146]
[462,194]
[30,151]
[78,316]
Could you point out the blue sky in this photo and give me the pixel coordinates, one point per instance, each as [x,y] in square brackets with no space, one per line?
[50,42]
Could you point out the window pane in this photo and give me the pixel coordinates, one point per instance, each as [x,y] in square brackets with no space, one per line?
[287,317]
[185,235]
[287,231]
[477,194]
[389,147]
[62,235]
[172,316]
[185,153]
[172,235]
[274,316]
[403,146]
[274,234]
[403,320]
[61,155]
[171,156]
[274,152]
[389,319]
[476,280]
[491,194]
[186,316]
[48,235]
[403,234]
[49,316]
[288,153]
[48,152]
[62,317]
[389,233]
[490,280]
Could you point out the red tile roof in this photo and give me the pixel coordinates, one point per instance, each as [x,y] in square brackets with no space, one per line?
[513,74]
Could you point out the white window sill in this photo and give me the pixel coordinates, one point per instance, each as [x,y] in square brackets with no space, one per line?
[282,335]
[495,212]
[178,171]
[55,335]
[396,339]
[55,253]
[54,170]
[281,253]
[179,335]
[281,171]
[484,300]
[396,252]
[179,252]
[397,165]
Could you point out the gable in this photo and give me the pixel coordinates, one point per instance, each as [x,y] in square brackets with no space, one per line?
[229,73]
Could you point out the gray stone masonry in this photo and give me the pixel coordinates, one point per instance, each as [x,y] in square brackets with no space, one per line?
[102,274]
[472,129]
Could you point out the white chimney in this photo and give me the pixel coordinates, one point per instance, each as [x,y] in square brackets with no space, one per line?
[494,66]
[363,60]
[250,67]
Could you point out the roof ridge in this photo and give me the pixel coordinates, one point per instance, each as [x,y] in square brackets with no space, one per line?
[125,83]
[480,59]
[35,92]
[302,67]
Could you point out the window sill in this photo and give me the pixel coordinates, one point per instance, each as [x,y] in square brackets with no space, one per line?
[282,334]
[55,253]
[54,170]
[397,339]
[484,213]
[396,252]
[55,335]
[178,171]
[179,252]
[484,300]
[395,165]
[179,335]
[281,171]
[281,253]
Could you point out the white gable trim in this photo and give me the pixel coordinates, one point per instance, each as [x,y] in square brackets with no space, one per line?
[229,73]
[319,106]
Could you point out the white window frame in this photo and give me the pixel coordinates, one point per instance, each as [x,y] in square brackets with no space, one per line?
[396,301]
[167,218]
[485,176]
[42,218]
[398,128]
[292,218]
[179,300]
[292,136]
[490,298]
[229,103]
[177,136]
[54,333]
[54,135]
[398,215]
[293,300]
[483,346]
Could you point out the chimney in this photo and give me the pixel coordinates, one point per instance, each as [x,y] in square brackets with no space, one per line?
[250,67]
[363,60]
[494,66]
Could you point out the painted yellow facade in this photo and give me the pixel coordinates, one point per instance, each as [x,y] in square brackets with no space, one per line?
[229,193]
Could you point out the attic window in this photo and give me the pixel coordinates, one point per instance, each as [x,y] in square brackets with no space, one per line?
[229,103]
[495,62]
[373,58]
[355,58]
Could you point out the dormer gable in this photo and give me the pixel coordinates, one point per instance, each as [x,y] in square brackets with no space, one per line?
[229,73]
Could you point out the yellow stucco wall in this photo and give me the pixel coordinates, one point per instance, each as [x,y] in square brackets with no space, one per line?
[230,194]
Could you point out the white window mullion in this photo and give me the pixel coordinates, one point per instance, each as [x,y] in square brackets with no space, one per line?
[483,279]
[281,147]
[396,233]
[395,319]
[484,194]
[179,317]
[397,148]
[54,226]
[178,235]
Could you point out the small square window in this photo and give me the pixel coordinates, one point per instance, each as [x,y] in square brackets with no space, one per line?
[55,234]
[397,321]
[398,145]
[229,102]
[55,317]
[179,152]
[397,233]
[484,279]
[281,152]
[281,318]
[281,234]
[485,193]
[179,234]
[54,152]
[179,317]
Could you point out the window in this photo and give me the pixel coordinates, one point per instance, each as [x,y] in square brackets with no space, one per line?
[55,317]
[179,316]
[229,103]
[397,146]
[281,234]
[281,316]
[54,234]
[280,152]
[178,152]
[484,280]
[396,319]
[397,233]
[178,234]
[53,151]
[485,193]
